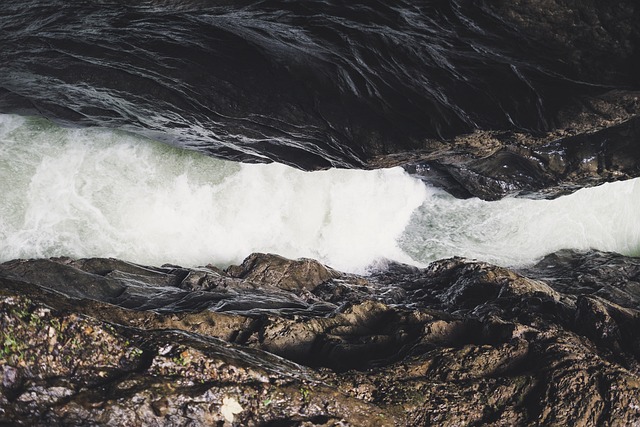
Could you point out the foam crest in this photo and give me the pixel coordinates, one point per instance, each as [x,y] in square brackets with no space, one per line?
[85,193]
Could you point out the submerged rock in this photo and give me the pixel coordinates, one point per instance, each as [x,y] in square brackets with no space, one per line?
[282,342]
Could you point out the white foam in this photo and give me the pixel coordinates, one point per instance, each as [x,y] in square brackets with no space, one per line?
[516,232]
[87,193]
[83,193]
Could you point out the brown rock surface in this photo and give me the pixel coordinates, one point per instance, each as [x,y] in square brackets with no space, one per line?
[457,343]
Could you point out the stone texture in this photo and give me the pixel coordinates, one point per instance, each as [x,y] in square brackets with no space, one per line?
[456,343]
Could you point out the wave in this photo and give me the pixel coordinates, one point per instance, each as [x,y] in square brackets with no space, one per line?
[104,193]
[86,193]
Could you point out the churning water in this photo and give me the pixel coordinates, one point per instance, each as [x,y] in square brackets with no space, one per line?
[89,192]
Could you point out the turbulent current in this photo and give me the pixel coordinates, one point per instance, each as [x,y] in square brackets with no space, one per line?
[95,192]
[315,85]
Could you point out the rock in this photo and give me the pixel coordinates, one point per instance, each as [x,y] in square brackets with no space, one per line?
[290,275]
[613,327]
[456,343]
[102,373]
[512,164]
[614,277]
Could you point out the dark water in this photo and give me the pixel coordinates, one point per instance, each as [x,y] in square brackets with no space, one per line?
[308,83]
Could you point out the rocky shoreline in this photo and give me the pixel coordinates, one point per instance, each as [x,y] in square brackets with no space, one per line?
[292,342]
[484,99]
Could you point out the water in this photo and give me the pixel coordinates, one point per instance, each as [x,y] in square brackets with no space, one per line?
[103,193]
[313,84]
[517,232]
[88,192]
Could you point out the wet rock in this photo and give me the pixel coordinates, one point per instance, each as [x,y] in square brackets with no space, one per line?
[274,270]
[613,327]
[102,374]
[456,343]
[614,277]
[511,164]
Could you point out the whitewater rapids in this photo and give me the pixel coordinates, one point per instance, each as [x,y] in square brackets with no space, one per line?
[105,193]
